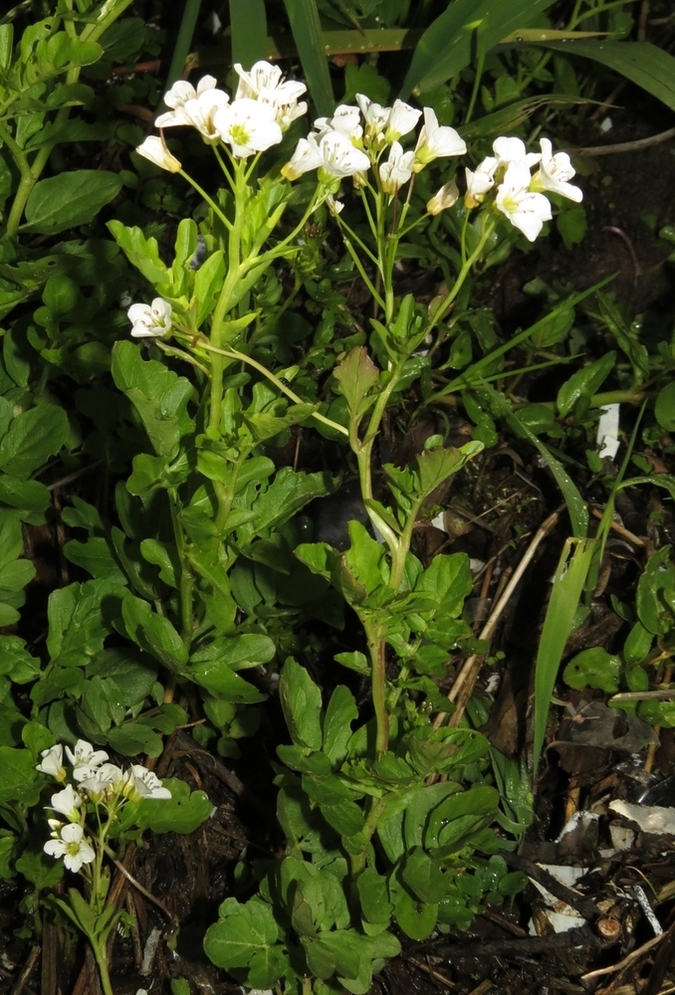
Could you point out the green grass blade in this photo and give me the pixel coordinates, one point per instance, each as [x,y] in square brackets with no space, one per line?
[306,27]
[650,67]
[183,44]
[248,22]
[568,584]
[448,44]
[576,506]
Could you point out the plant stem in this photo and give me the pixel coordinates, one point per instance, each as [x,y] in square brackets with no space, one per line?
[376,648]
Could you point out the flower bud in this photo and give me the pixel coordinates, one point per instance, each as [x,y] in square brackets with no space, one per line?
[446,197]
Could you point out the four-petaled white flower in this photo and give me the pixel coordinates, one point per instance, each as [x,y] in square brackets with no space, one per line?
[443,199]
[150,320]
[305,158]
[346,119]
[526,210]
[402,119]
[480,181]
[248,126]
[178,96]
[203,111]
[397,170]
[436,141]
[100,782]
[142,783]
[510,149]
[154,149]
[73,846]
[67,802]
[554,172]
[52,763]
[265,84]
[84,753]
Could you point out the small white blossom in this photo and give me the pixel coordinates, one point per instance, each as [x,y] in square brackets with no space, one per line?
[100,782]
[73,846]
[178,96]
[265,84]
[154,149]
[334,206]
[436,141]
[397,170]
[331,152]
[402,120]
[142,783]
[346,119]
[305,158]
[150,320]
[554,172]
[511,149]
[443,199]
[480,181]
[248,126]
[84,753]
[525,210]
[67,802]
[52,763]
[376,118]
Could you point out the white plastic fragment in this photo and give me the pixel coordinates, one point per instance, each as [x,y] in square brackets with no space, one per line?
[606,125]
[622,837]
[580,820]
[643,902]
[655,819]
[150,951]
[607,438]
[561,915]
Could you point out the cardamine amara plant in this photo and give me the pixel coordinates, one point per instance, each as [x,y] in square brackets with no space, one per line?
[389,816]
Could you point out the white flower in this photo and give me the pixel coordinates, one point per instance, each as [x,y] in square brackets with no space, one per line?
[84,753]
[154,149]
[150,320]
[100,782]
[478,183]
[142,783]
[72,846]
[248,126]
[305,158]
[376,118]
[334,206]
[436,141]
[346,120]
[402,120]
[178,96]
[67,802]
[331,152]
[526,210]
[265,84]
[443,199]
[52,763]
[510,149]
[397,170]
[202,112]
[554,172]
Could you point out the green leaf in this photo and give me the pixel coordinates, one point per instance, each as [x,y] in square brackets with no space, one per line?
[451,42]
[95,556]
[656,581]
[306,27]
[20,780]
[33,436]
[356,376]
[69,199]
[241,932]
[77,627]
[649,66]
[142,252]
[595,668]
[584,383]
[301,704]
[184,812]
[416,919]
[374,897]
[153,633]
[425,876]
[340,714]
[568,583]
[664,409]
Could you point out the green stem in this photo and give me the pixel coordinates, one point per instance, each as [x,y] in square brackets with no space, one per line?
[243,358]
[375,810]
[101,958]
[209,200]
[377,648]
[186,582]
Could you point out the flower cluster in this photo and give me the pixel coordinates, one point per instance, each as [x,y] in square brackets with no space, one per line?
[263,108]
[355,138]
[518,193]
[96,783]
